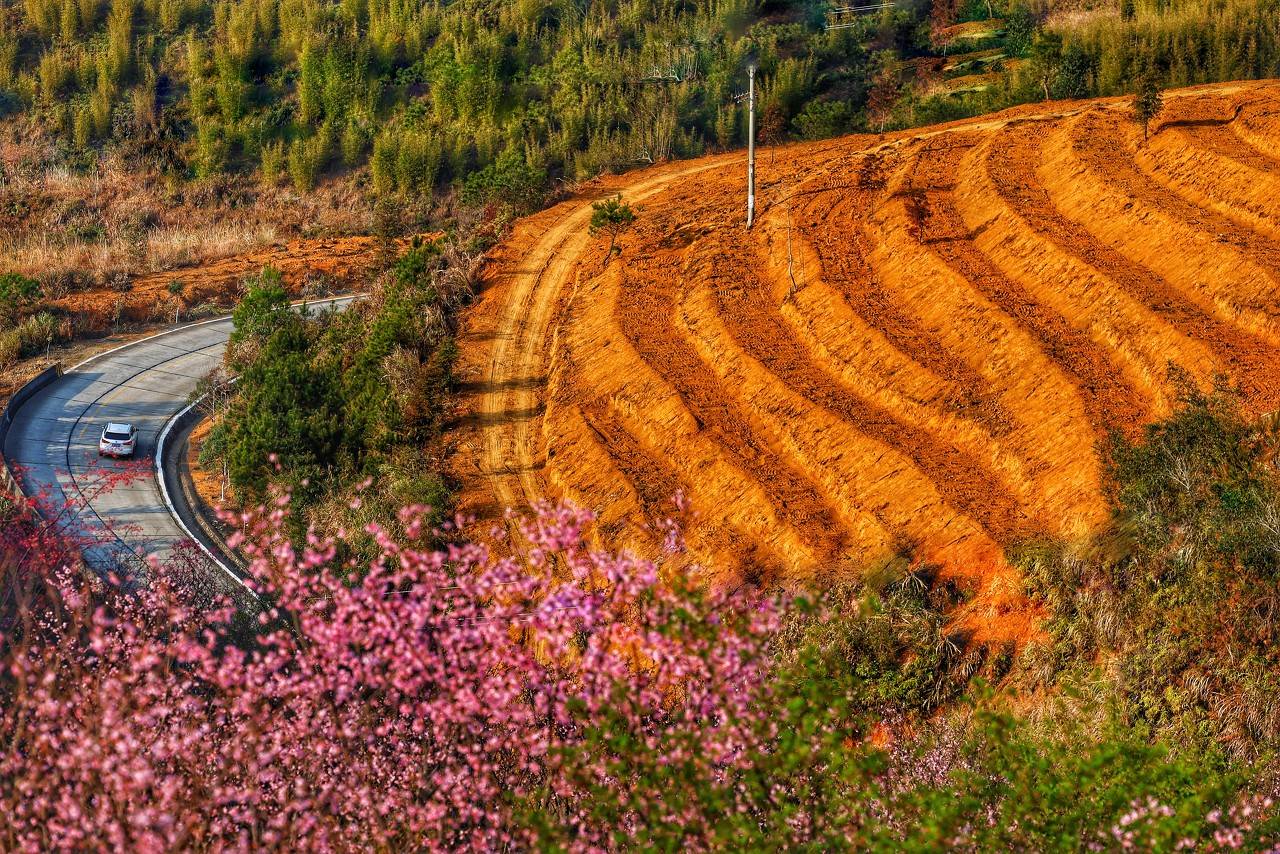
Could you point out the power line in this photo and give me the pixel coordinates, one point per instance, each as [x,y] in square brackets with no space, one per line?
[662,75]
[874,7]
[844,17]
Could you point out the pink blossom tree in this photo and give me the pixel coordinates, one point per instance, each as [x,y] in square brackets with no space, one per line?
[437,697]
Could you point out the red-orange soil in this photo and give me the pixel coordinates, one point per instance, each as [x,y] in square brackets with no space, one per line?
[336,264]
[920,343]
[208,483]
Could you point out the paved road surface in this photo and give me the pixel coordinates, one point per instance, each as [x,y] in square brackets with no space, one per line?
[53,442]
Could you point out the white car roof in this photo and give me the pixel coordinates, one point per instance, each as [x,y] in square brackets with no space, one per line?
[119,428]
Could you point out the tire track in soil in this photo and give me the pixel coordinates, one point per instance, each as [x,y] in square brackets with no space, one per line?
[1012,161]
[1107,400]
[517,364]
[646,317]
[967,485]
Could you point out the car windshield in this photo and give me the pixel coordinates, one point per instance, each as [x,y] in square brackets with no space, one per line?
[117,437]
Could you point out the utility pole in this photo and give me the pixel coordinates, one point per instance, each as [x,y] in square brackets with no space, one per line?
[751,145]
[750,98]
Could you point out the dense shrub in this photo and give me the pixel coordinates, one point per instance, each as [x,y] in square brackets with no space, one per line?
[308,157]
[509,180]
[822,119]
[327,400]
[288,408]
[17,293]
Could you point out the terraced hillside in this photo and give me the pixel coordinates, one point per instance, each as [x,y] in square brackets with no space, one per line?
[920,343]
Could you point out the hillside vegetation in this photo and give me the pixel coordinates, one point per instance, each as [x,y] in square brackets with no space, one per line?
[472,702]
[501,98]
[326,405]
[939,510]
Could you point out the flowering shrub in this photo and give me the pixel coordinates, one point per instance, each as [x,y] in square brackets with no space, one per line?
[446,699]
[443,698]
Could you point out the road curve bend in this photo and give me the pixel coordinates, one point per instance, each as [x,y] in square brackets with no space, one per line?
[53,444]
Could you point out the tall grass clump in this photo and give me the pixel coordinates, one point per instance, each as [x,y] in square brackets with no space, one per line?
[29,337]
[1177,597]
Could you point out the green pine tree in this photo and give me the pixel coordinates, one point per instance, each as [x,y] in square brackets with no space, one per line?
[1147,103]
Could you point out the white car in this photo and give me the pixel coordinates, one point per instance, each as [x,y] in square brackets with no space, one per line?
[118,440]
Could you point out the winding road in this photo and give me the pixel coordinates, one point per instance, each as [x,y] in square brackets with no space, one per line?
[118,504]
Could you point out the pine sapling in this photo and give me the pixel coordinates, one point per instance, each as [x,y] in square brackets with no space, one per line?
[611,217]
[1147,103]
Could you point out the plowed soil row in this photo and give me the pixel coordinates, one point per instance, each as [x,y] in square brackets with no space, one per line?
[917,348]
[1253,126]
[831,220]
[943,231]
[1013,162]
[751,316]
[1205,163]
[1144,193]
[646,314]
[1223,139]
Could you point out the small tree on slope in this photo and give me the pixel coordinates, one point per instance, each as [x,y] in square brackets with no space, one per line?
[1147,103]
[611,217]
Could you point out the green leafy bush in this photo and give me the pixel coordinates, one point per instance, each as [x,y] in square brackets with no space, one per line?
[17,293]
[823,119]
[1020,29]
[289,410]
[1013,785]
[338,397]
[510,181]
[308,157]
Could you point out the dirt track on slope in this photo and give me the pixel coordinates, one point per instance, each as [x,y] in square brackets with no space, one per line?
[917,348]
